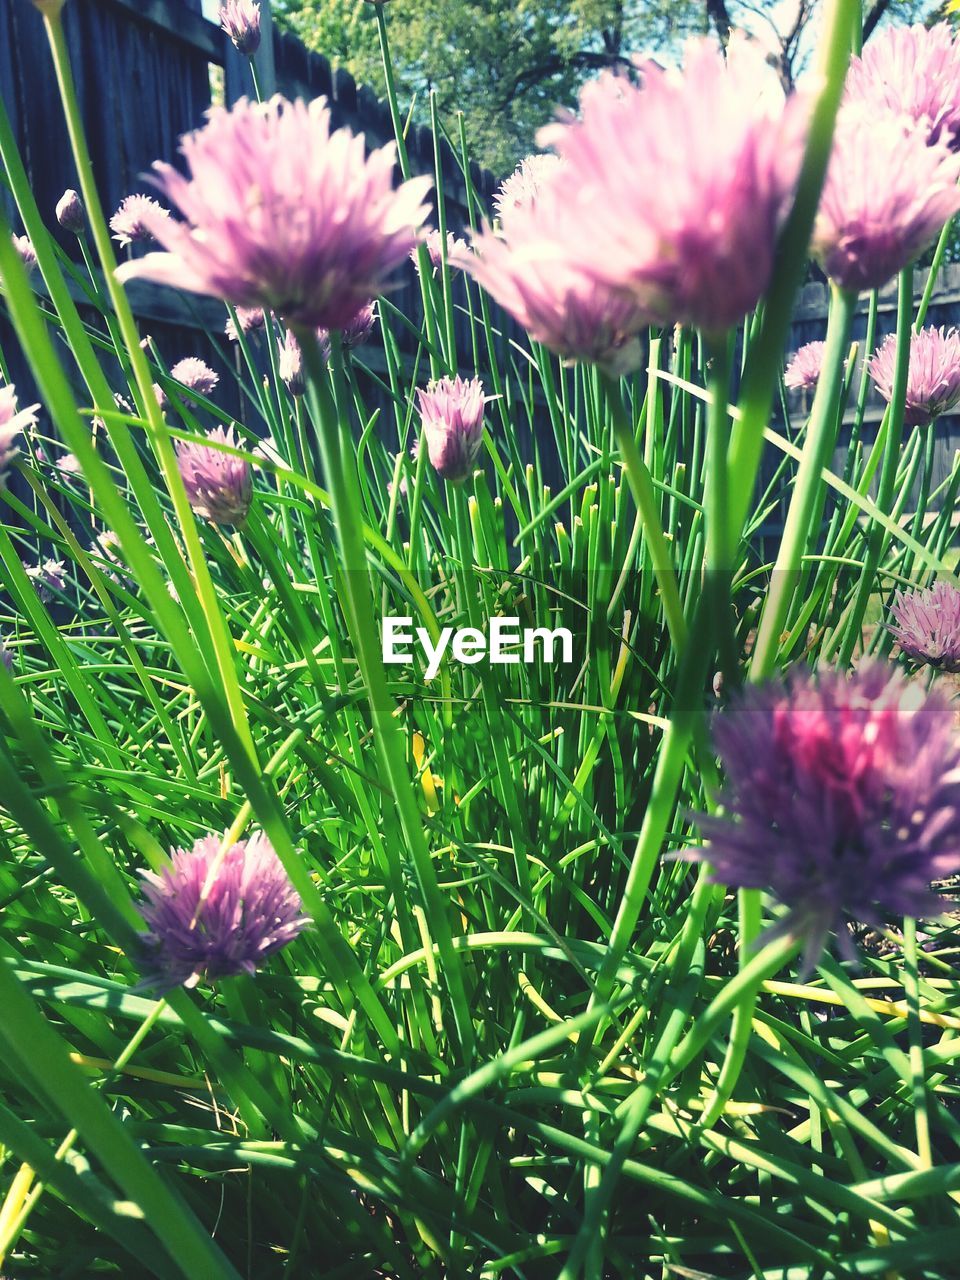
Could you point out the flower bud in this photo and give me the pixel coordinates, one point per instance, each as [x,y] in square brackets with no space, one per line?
[70,212]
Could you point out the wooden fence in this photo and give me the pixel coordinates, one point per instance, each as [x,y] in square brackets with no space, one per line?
[146,71]
[809,325]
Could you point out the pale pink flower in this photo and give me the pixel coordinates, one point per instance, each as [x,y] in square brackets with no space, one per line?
[28,255]
[452,413]
[283,214]
[928,625]
[523,185]
[676,188]
[803,371]
[137,220]
[240,19]
[933,377]
[531,267]
[219,485]
[886,197]
[249,320]
[290,365]
[68,464]
[70,213]
[433,243]
[360,328]
[912,72]
[191,372]
[12,424]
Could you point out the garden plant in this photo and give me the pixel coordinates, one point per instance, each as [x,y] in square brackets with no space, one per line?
[488,807]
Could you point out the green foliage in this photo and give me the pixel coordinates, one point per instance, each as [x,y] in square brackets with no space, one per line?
[506,67]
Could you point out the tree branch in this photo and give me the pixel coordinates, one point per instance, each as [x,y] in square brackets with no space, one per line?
[880,7]
[718,14]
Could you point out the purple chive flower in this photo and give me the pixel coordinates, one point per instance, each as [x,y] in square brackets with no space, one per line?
[928,625]
[214,917]
[360,328]
[193,374]
[452,414]
[48,577]
[842,797]
[433,243]
[290,364]
[12,425]
[28,255]
[886,197]
[240,19]
[521,188]
[283,214]
[70,213]
[933,378]
[219,485]
[249,320]
[803,371]
[137,220]
[912,72]
[68,464]
[677,187]
[6,657]
[531,267]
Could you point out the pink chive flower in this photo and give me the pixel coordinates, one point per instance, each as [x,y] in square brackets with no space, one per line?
[214,917]
[70,213]
[912,72]
[191,372]
[933,378]
[290,365]
[531,267]
[283,214]
[28,255]
[249,320]
[521,188]
[886,197]
[433,242]
[360,328]
[803,371]
[240,19]
[928,625]
[48,577]
[676,188]
[219,485]
[68,464]
[12,425]
[137,220]
[842,797]
[451,410]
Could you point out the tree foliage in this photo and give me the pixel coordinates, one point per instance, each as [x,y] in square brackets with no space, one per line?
[508,66]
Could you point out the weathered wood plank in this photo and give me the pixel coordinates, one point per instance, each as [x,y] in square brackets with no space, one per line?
[182,24]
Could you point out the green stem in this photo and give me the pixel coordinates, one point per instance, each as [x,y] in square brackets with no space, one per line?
[645,497]
[888,470]
[337,451]
[761,376]
[157,431]
[820,439]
